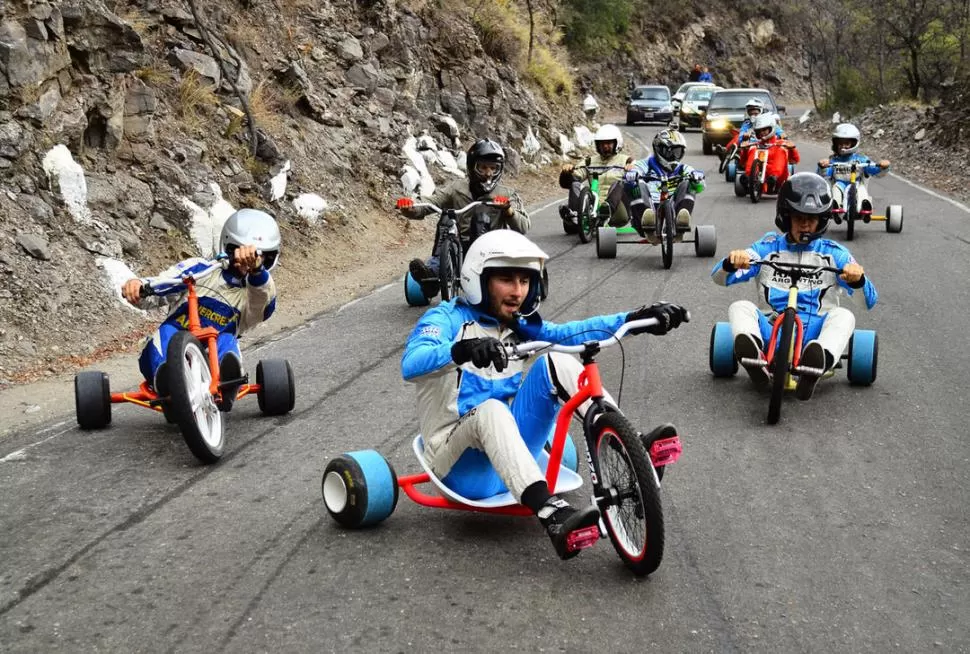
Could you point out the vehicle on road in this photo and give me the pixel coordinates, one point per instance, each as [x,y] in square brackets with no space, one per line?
[649,104]
[691,110]
[725,111]
[853,202]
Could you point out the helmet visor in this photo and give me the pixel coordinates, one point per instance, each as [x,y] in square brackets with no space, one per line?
[487,170]
[671,152]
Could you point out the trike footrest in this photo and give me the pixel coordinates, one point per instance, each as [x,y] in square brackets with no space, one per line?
[582,538]
[665,451]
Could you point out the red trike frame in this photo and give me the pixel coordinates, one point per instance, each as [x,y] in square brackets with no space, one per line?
[662,452]
[797,354]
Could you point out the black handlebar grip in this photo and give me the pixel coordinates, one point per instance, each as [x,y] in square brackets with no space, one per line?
[146,290]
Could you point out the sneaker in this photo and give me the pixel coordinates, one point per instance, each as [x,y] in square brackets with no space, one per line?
[161,387]
[425,277]
[230,379]
[569,529]
[567,214]
[746,347]
[649,219]
[813,356]
[772,184]
[683,219]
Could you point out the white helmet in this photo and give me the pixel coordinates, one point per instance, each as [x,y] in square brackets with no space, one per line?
[252,227]
[502,248]
[609,133]
[754,103]
[763,121]
[849,132]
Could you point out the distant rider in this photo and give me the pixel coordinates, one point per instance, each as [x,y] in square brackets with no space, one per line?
[643,185]
[485,162]
[608,142]
[765,132]
[845,150]
[803,210]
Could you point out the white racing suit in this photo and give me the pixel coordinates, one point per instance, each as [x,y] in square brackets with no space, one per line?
[819,298]
[483,429]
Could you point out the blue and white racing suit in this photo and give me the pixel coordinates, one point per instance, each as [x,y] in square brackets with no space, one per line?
[819,297]
[226,302]
[840,178]
[483,429]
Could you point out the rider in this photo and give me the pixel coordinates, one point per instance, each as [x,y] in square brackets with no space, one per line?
[230,300]
[669,148]
[608,142]
[485,164]
[753,108]
[845,150]
[765,131]
[803,211]
[705,76]
[485,417]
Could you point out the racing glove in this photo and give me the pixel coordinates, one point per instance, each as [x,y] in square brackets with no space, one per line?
[669,316]
[482,352]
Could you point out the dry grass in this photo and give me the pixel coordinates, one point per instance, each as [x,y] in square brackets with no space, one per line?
[195,99]
[140,22]
[156,74]
[269,104]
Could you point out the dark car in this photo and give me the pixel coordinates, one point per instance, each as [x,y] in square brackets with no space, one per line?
[726,111]
[693,105]
[649,104]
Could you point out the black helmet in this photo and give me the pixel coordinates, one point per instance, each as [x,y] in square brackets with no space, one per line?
[484,150]
[807,194]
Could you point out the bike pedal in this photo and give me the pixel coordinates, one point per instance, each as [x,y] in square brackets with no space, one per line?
[745,361]
[234,382]
[582,538]
[808,370]
[665,451]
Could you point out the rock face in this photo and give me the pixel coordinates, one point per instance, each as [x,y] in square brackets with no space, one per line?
[148,119]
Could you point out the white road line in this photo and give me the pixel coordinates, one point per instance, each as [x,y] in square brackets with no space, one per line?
[21,454]
[939,196]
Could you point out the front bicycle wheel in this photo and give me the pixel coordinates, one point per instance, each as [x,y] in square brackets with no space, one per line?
[754,184]
[193,407]
[851,211]
[780,366]
[587,221]
[667,236]
[631,494]
[449,269]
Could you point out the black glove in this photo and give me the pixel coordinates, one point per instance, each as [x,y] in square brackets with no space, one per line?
[669,316]
[482,352]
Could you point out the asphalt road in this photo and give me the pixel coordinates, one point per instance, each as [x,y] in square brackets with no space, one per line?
[843,528]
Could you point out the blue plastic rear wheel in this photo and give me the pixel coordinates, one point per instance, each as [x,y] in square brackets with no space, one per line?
[359,489]
[721,359]
[863,357]
[730,171]
[412,292]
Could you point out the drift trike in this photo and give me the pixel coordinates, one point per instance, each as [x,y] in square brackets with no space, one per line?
[361,488]
[194,399]
[784,347]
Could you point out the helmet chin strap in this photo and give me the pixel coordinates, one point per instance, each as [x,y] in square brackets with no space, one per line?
[519,314]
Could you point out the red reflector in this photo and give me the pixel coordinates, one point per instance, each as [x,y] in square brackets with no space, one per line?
[665,451]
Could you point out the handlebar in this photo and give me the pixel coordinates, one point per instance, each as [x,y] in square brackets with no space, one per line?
[499,201]
[156,286]
[785,267]
[531,347]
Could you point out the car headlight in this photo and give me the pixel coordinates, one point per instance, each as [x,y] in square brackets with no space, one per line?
[718,124]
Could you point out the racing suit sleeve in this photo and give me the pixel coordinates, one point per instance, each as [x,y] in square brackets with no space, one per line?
[428,348]
[579,331]
[724,274]
[824,171]
[793,155]
[842,257]
[260,300]
[871,168]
